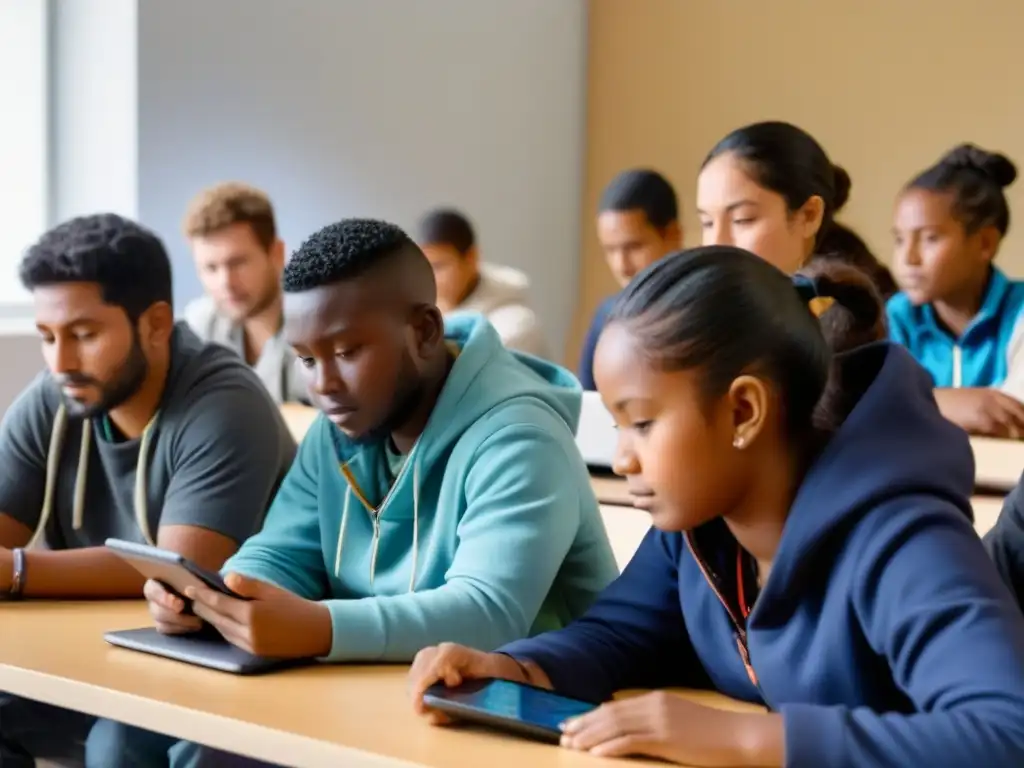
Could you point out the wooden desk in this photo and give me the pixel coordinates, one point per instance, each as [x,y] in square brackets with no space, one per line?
[611,490]
[998,463]
[319,716]
[299,418]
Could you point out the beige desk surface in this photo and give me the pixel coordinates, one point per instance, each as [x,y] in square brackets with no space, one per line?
[998,463]
[318,716]
[299,418]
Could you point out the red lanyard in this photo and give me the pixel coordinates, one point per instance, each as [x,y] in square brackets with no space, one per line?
[740,592]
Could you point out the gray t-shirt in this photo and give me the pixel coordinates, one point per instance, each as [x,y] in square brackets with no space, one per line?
[216,453]
[277,366]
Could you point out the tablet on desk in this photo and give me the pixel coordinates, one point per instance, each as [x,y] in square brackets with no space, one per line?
[512,707]
[205,649]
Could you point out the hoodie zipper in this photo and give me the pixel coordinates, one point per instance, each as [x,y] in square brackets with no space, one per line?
[740,629]
[958,375]
[375,512]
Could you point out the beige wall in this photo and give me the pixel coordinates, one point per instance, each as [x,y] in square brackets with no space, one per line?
[885,85]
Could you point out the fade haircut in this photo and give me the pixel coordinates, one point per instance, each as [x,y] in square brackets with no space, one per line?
[126,260]
[224,205]
[345,250]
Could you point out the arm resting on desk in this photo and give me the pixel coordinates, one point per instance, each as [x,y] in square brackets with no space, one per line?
[97,573]
[520,521]
[633,636]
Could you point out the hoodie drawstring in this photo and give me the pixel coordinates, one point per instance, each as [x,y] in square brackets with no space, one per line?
[56,445]
[352,488]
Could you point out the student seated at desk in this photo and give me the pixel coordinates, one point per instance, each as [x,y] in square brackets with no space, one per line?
[814,554]
[440,496]
[239,257]
[770,189]
[465,284]
[637,224]
[957,312]
[137,430]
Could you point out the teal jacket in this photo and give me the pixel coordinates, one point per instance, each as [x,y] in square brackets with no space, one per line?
[979,357]
[490,532]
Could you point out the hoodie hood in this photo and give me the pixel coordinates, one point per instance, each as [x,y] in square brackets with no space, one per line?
[893,443]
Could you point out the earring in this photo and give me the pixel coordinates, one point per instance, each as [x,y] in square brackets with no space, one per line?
[738,442]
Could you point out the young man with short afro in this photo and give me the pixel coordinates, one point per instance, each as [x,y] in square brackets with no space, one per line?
[439,497]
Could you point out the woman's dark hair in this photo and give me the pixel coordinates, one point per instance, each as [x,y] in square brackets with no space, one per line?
[788,161]
[727,311]
[976,179]
[842,244]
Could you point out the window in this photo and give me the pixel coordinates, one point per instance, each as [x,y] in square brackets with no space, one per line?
[23,142]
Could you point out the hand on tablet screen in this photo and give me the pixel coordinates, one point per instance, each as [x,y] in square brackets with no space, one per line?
[169,611]
[265,620]
[452,665]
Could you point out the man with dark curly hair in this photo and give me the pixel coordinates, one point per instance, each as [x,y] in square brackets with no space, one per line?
[136,430]
[462,510]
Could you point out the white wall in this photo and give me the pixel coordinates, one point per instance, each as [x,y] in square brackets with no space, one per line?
[382,108]
[94,101]
[337,108]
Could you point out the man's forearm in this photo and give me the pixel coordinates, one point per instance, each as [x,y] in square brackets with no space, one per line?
[92,573]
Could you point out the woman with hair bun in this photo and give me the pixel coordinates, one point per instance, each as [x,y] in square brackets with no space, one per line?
[812,548]
[956,312]
[768,188]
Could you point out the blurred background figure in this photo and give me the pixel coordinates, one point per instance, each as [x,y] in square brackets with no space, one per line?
[239,257]
[466,284]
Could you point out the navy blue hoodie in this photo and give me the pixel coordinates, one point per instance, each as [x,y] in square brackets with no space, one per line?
[883,635]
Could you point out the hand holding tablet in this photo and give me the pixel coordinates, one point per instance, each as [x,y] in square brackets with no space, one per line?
[452,681]
[250,626]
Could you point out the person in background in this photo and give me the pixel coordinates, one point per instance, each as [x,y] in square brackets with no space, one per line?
[770,189]
[812,547]
[462,509]
[137,430]
[465,284]
[956,312]
[239,257]
[843,244]
[637,224]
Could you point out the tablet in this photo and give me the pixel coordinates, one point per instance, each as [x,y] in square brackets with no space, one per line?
[205,648]
[174,571]
[511,707]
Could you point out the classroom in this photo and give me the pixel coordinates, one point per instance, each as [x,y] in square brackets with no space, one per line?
[451,383]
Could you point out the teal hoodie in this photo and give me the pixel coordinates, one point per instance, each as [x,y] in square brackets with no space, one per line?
[490,532]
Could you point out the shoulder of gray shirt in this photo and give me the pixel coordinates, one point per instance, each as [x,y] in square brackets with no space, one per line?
[202,376]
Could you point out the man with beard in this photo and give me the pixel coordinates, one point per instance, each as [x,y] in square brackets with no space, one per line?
[462,510]
[137,430]
[239,257]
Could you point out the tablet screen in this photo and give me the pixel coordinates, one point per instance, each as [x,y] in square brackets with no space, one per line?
[505,699]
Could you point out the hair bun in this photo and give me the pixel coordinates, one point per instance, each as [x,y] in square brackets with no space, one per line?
[842,185]
[997,167]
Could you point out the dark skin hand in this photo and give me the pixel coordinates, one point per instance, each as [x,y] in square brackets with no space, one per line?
[657,724]
[982,411]
[271,622]
[95,572]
